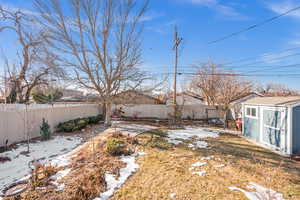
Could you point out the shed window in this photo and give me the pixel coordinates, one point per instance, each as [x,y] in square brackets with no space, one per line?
[251,112]
[248,111]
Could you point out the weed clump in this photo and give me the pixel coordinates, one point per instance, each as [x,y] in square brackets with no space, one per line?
[89,186]
[115,146]
[41,175]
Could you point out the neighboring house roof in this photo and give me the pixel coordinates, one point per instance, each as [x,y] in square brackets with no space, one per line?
[136,92]
[185,99]
[135,97]
[277,101]
[246,97]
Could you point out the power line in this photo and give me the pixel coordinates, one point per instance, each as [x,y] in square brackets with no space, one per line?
[259,57]
[258,62]
[254,26]
[243,75]
[274,67]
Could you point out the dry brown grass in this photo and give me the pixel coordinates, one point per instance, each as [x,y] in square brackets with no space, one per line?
[164,170]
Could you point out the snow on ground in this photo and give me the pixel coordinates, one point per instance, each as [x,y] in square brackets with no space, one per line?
[201,173]
[176,136]
[219,166]
[59,175]
[199,144]
[43,151]
[172,195]
[260,193]
[114,183]
[131,129]
[197,164]
[207,158]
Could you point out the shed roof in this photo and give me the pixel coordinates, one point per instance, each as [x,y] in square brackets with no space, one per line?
[275,101]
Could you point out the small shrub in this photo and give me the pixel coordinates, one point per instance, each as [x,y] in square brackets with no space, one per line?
[81,123]
[78,124]
[95,119]
[115,146]
[68,126]
[45,130]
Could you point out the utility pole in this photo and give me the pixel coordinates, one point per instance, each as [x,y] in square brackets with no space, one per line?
[5,87]
[177,41]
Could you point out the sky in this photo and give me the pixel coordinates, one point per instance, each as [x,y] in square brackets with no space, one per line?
[202,21]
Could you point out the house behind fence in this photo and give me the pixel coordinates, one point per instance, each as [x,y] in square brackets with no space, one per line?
[17,119]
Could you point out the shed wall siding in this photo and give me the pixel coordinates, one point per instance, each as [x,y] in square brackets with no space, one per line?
[296,130]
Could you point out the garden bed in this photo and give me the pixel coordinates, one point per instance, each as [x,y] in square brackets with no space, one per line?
[44,151]
[89,171]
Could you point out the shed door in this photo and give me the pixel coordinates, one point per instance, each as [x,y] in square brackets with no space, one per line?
[274,127]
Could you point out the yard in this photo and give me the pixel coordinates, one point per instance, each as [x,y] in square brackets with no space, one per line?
[190,163]
[166,172]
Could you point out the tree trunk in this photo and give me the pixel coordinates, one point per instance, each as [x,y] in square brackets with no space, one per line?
[108,112]
[28,93]
[225,119]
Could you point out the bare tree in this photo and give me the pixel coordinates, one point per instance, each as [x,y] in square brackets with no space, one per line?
[219,87]
[100,41]
[230,88]
[205,83]
[272,89]
[34,63]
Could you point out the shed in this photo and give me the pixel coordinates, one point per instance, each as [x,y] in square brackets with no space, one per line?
[273,122]
[236,105]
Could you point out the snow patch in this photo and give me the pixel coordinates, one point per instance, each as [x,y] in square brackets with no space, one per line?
[176,136]
[113,183]
[60,187]
[197,164]
[219,166]
[207,158]
[261,193]
[172,196]
[43,151]
[201,173]
[199,144]
[60,174]
[131,129]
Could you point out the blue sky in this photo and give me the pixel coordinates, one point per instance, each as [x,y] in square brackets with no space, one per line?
[201,21]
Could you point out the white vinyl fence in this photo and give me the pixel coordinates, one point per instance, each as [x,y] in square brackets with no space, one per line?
[165,111]
[16,119]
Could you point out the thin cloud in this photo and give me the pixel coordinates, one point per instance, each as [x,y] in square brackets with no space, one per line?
[12,8]
[280,7]
[219,8]
[164,28]
[151,16]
